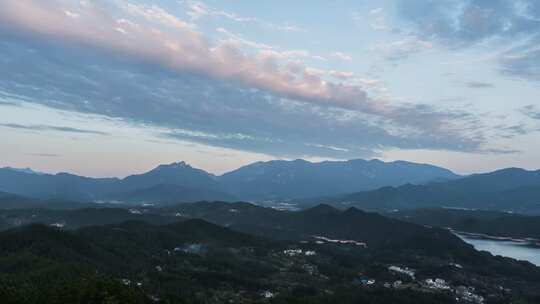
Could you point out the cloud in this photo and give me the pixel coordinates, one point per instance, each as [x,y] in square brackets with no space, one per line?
[376,11]
[511,131]
[478,85]
[378,19]
[44,154]
[286,28]
[522,61]
[465,23]
[403,48]
[501,151]
[8,104]
[239,40]
[198,10]
[532,111]
[333,148]
[198,108]
[50,128]
[154,13]
[342,56]
[265,50]
[341,75]
[524,127]
[185,50]
[161,73]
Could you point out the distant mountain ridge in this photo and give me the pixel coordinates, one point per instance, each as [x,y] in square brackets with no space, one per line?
[509,189]
[194,182]
[23,170]
[179,182]
[299,178]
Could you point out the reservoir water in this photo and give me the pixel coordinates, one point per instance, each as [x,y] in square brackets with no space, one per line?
[507,248]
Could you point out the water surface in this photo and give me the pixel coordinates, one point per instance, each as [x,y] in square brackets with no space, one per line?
[513,249]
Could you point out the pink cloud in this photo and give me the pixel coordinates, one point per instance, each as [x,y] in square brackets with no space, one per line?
[177,47]
[341,75]
[151,34]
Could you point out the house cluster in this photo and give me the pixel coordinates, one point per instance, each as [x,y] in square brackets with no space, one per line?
[365,281]
[127,282]
[468,294]
[396,284]
[439,284]
[298,252]
[322,240]
[268,294]
[403,270]
[463,293]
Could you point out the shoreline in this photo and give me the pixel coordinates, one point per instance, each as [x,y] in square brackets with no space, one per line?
[528,242]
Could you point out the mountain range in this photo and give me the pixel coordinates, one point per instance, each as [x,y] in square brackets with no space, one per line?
[179,182]
[368,185]
[511,189]
[299,178]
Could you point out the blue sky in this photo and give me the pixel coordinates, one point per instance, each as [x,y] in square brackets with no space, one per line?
[108,88]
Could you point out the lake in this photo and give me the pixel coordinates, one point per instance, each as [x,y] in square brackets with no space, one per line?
[512,249]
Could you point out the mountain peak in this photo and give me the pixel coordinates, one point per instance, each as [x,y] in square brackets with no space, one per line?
[322,209]
[23,170]
[174,165]
[294,179]
[510,170]
[174,169]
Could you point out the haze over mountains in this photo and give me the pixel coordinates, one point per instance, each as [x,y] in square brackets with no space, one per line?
[369,185]
[273,180]
[299,178]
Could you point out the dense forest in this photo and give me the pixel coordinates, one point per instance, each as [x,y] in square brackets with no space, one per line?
[176,255]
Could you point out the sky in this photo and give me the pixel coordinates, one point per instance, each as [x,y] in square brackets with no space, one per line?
[115,87]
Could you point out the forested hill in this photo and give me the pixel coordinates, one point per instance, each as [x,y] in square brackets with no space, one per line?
[193,261]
